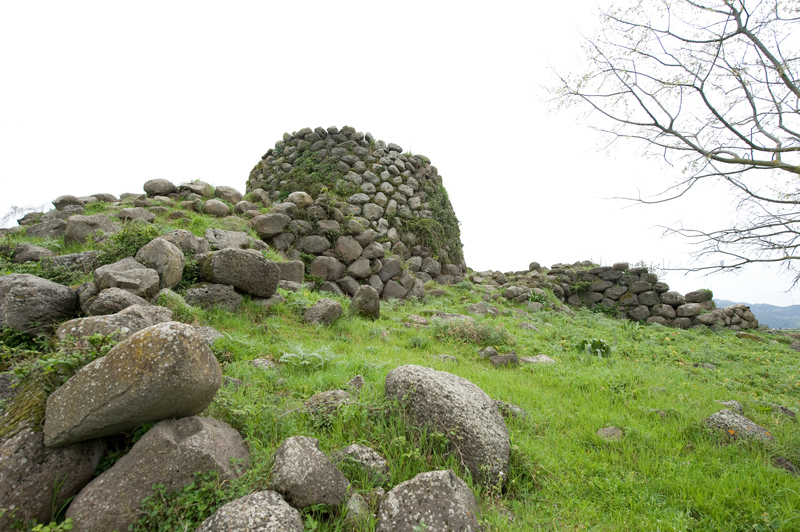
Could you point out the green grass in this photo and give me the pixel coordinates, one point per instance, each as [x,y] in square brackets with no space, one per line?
[668,472]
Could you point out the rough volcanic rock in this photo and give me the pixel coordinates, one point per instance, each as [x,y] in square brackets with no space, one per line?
[163,371]
[463,411]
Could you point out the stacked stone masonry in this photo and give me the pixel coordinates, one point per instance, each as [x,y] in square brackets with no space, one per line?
[632,293]
[342,194]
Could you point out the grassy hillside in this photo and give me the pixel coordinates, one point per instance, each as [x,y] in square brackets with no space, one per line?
[668,472]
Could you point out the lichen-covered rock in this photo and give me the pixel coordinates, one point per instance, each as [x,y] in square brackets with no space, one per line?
[29,252]
[263,511]
[79,227]
[169,454]
[163,371]
[221,239]
[129,275]
[187,241]
[305,476]
[439,499]
[131,214]
[323,312]
[159,187]
[229,194]
[52,228]
[737,426]
[32,305]
[366,301]
[111,301]
[116,327]
[29,471]
[165,258]
[246,269]
[461,410]
[210,295]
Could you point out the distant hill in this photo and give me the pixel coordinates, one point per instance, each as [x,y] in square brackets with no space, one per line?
[770,315]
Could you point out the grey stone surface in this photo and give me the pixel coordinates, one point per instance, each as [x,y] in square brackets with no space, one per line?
[222,239]
[130,214]
[116,327]
[459,408]
[262,511]
[229,194]
[165,258]
[366,301]
[327,268]
[270,224]
[292,270]
[169,454]
[323,312]
[163,371]
[216,208]
[187,241]
[246,269]
[111,301]
[159,187]
[32,305]
[79,227]
[129,275]
[29,471]
[209,295]
[305,476]
[313,244]
[737,426]
[440,499]
[30,252]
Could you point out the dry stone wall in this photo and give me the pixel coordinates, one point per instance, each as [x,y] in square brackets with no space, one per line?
[626,292]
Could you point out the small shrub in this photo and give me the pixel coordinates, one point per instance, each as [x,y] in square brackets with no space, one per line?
[307,360]
[538,297]
[126,242]
[594,347]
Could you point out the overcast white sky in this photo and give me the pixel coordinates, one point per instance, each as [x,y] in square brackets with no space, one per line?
[102,96]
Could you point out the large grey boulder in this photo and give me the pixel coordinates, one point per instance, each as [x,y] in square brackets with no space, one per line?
[323,312]
[327,268]
[131,214]
[62,202]
[313,244]
[84,262]
[111,301]
[130,275]
[187,241]
[29,472]
[30,252]
[293,270]
[366,301]
[159,187]
[270,224]
[210,295]
[169,454]
[305,476]
[115,327]
[246,269]
[79,227]
[32,305]
[263,511]
[163,371]
[461,410]
[215,207]
[229,194]
[165,258]
[52,228]
[439,499]
[221,239]
[198,187]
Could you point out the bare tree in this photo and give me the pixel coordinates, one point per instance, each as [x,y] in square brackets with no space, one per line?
[711,86]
